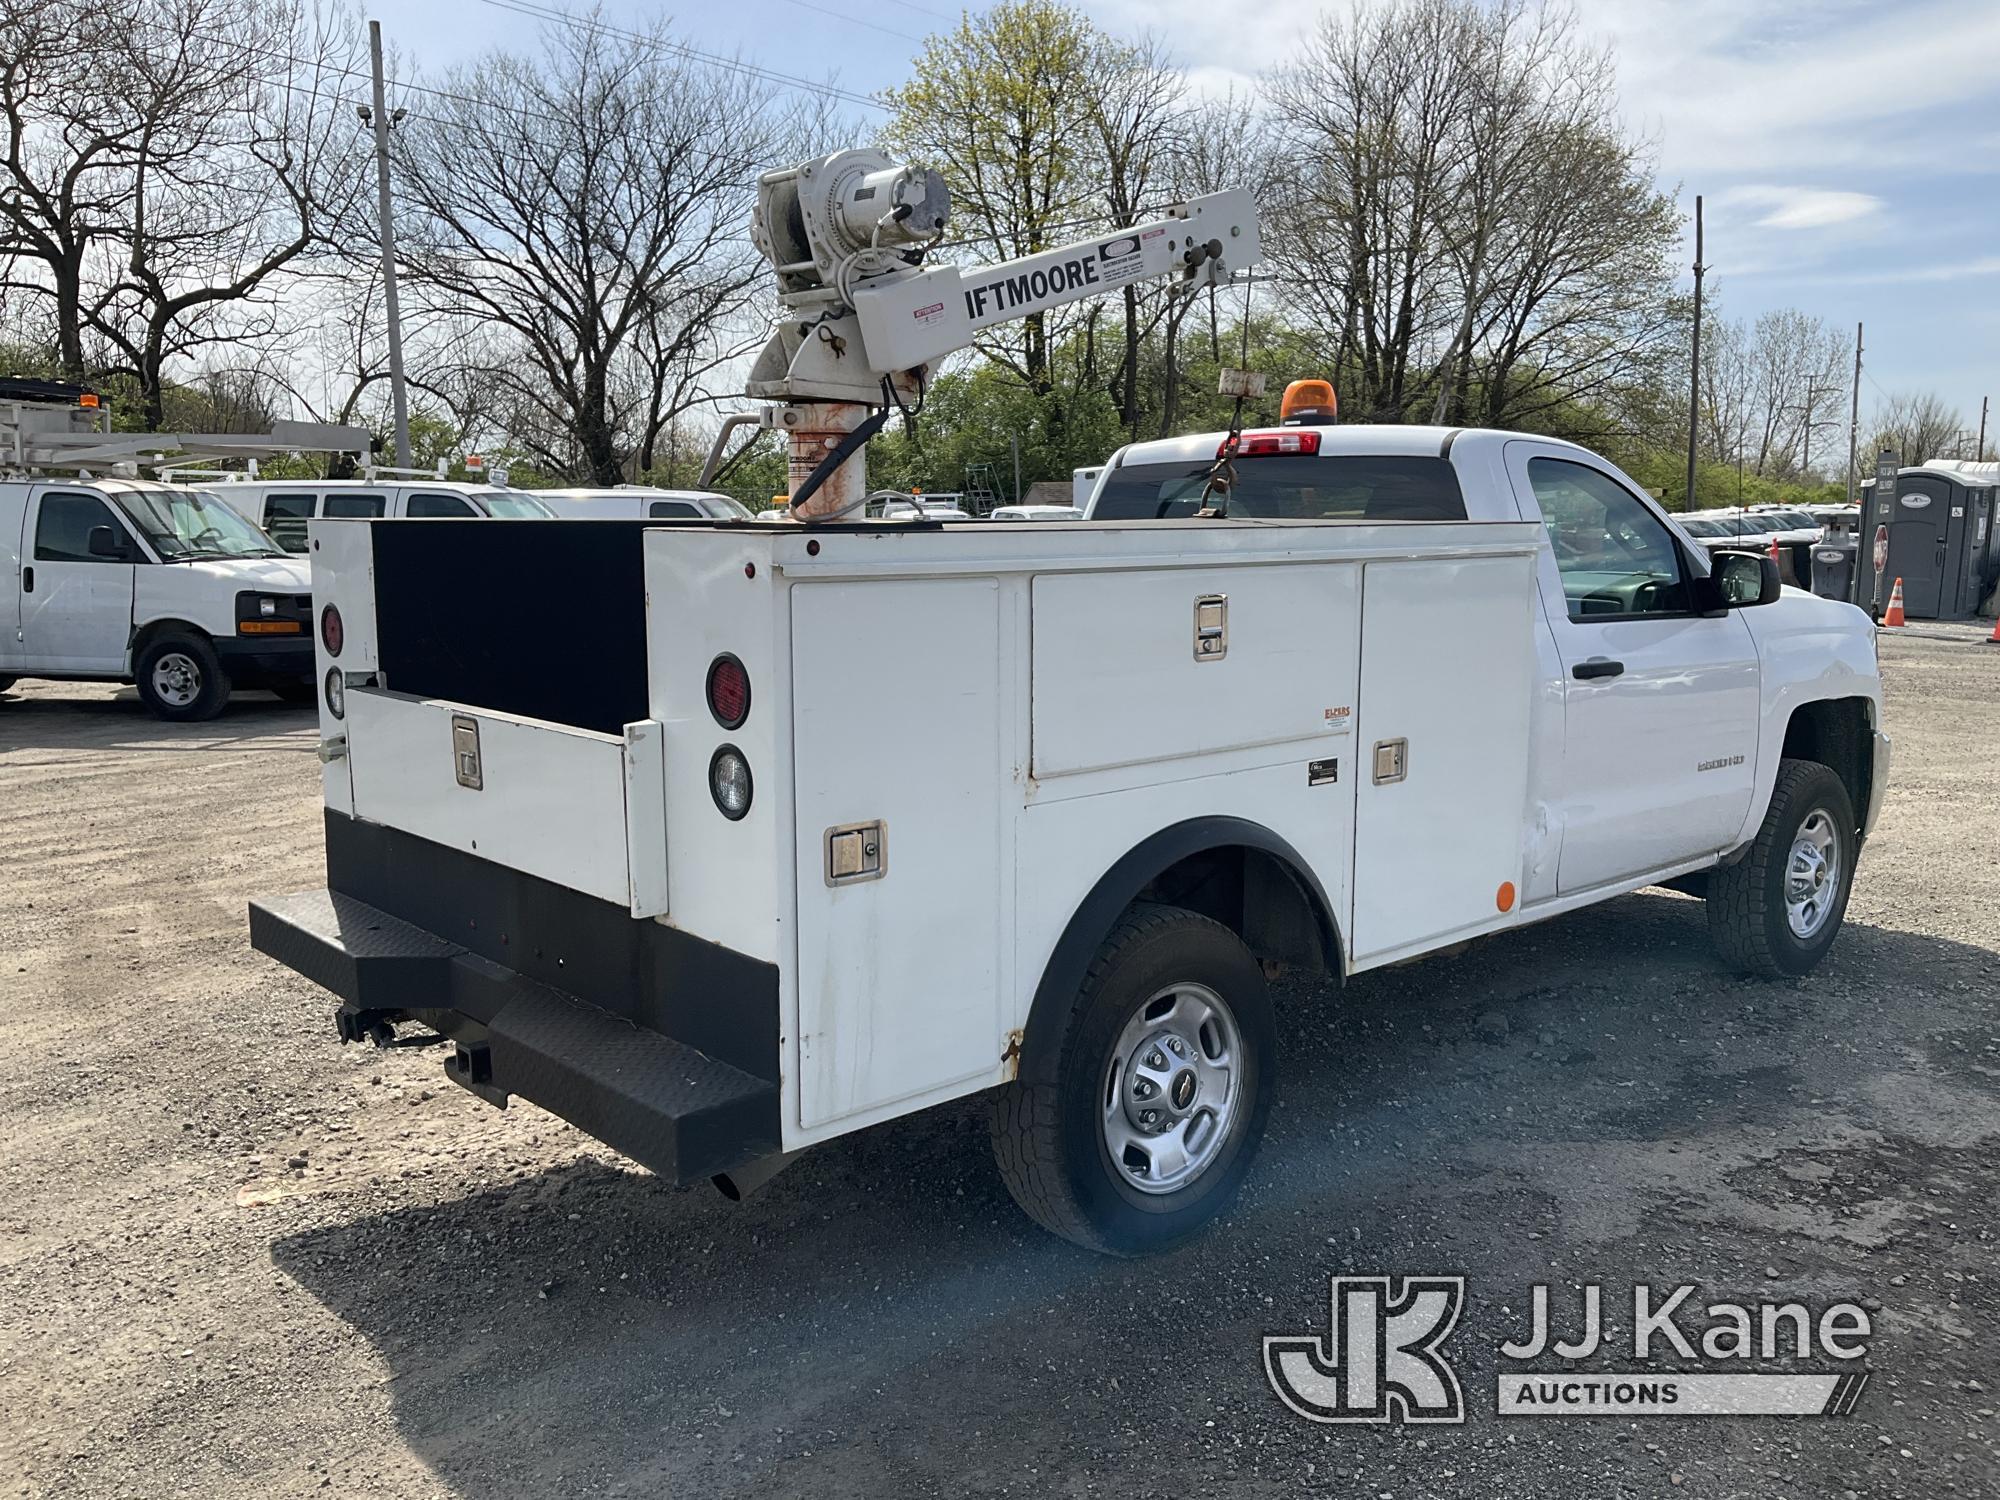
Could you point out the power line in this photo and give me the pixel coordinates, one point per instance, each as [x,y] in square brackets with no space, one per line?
[542,12]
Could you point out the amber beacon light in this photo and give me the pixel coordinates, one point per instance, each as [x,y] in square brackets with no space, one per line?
[1308,403]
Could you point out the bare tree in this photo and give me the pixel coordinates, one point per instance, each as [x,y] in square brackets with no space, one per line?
[1920,426]
[166,159]
[1467,216]
[69,144]
[587,203]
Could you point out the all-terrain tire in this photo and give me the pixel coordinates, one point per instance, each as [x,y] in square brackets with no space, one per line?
[1748,912]
[1049,1131]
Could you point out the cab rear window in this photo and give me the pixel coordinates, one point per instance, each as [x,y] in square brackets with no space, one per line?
[1290,487]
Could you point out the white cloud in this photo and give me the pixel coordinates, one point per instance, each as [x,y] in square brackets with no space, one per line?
[1911,275]
[1801,207]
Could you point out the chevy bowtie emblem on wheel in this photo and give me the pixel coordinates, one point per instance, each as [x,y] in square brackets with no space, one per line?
[1381,1361]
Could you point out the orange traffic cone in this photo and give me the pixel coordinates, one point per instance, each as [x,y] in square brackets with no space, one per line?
[1994,639]
[1894,614]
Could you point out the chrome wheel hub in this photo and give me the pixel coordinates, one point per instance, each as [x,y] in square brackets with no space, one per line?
[1812,875]
[1172,1088]
[177,679]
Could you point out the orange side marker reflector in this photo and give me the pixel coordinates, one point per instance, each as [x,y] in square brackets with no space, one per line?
[269,627]
[1504,898]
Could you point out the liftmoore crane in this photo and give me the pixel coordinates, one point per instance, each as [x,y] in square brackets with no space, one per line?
[863,319]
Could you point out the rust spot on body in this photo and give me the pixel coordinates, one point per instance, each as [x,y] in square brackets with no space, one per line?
[1011,1054]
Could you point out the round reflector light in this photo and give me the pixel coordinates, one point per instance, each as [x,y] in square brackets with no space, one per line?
[729,782]
[336,692]
[332,634]
[728,691]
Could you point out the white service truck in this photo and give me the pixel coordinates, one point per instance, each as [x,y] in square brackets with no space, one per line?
[845,820]
[108,577]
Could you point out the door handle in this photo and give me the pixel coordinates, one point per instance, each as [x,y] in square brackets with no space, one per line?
[27,580]
[1597,666]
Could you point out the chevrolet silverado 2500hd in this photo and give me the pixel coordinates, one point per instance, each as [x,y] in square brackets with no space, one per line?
[720,840]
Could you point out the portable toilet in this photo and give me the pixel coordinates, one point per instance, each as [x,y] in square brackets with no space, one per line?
[1941,542]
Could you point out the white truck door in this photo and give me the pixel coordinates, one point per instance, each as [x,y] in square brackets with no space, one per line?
[1660,705]
[898,747]
[76,608]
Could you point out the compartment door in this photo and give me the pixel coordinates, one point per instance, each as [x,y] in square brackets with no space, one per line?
[582,809]
[897,734]
[1447,681]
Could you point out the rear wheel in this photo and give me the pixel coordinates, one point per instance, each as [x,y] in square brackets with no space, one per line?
[1777,910]
[1134,1127]
[180,678]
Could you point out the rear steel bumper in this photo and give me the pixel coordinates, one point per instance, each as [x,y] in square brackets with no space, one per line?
[609,1047]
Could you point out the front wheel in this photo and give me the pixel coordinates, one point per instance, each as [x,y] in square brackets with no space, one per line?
[1776,911]
[1133,1127]
[180,678]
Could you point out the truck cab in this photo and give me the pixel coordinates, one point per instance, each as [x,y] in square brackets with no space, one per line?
[162,586]
[283,507]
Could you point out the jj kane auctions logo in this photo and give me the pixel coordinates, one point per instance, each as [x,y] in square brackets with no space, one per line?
[1382,1358]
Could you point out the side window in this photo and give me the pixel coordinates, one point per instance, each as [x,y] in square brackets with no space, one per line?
[285,517]
[1615,556]
[62,528]
[672,510]
[352,505]
[436,507]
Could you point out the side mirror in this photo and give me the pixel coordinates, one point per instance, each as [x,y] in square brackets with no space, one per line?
[1741,580]
[107,543]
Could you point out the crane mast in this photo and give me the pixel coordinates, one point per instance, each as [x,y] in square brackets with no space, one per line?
[863,321]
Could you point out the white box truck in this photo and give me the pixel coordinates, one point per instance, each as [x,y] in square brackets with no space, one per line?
[728,839]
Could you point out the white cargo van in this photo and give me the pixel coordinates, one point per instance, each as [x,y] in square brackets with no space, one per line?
[282,507]
[162,586]
[639,502]
[847,820]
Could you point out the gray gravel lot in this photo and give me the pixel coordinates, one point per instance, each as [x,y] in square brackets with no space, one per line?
[239,1260]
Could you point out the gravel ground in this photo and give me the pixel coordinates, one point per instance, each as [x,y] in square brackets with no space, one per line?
[237,1259]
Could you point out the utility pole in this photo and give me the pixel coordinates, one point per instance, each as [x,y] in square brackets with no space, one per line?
[1854,419]
[1014,443]
[379,118]
[1694,360]
[1981,456]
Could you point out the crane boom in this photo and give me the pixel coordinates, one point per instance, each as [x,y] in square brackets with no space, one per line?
[862,320]
[919,319]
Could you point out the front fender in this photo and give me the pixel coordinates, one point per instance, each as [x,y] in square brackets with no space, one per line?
[1809,650]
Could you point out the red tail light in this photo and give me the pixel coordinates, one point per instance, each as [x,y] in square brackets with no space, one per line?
[331,632]
[1265,444]
[728,691]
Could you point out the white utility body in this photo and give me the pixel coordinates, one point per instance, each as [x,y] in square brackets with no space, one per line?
[969,749]
[720,839]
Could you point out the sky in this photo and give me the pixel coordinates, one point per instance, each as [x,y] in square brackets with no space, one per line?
[1848,152]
